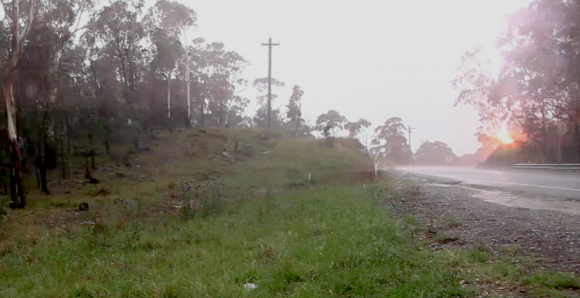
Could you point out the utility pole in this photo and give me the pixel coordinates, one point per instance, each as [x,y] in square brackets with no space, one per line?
[270,44]
[409,130]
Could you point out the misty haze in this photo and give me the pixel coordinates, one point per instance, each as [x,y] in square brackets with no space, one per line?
[258,148]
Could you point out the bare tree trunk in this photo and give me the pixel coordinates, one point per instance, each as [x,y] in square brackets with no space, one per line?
[297,126]
[227,120]
[3,185]
[17,191]
[298,120]
[169,95]
[107,147]
[544,134]
[43,180]
[63,163]
[68,136]
[187,91]
[202,108]
[40,159]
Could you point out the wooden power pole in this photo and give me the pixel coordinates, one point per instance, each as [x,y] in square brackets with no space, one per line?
[270,45]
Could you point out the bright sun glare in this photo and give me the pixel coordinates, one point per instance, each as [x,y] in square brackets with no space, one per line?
[503,135]
[492,61]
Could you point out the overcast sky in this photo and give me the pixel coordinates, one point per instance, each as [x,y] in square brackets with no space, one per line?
[370,59]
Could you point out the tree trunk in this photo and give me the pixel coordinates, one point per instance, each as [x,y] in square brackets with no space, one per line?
[68,137]
[17,191]
[297,126]
[108,147]
[298,120]
[43,180]
[188,104]
[63,162]
[201,123]
[3,181]
[169,96]
[13,196]
[187,88]
[37,172]
[544,134]
[41,158]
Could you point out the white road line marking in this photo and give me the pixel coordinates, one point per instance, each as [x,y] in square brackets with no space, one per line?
[500,182]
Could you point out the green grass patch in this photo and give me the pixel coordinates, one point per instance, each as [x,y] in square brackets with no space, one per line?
[505,276]
[327,242]
[186,220]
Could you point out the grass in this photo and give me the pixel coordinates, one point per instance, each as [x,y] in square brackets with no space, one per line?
[451,222]
[505,276]
[252,218]
[327,242]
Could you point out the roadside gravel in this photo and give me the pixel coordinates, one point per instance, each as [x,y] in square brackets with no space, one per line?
[466,216]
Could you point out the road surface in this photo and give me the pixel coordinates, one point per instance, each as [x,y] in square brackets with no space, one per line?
[540,183]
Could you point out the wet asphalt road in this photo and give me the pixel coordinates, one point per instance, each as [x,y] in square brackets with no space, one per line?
[561,185]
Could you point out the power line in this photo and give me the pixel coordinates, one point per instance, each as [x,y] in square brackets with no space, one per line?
[270,45]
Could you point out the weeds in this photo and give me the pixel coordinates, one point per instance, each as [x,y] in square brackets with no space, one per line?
[171,185]
[451,222]
[3,206]
[357,252]
[60,203]
[261,226]
[444,238]
[203,207]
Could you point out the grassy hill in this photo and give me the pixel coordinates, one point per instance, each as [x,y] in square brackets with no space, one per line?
[204,213]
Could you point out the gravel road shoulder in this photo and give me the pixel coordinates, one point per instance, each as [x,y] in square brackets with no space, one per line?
[466,216]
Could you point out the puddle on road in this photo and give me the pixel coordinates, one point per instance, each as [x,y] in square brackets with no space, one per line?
[519,201]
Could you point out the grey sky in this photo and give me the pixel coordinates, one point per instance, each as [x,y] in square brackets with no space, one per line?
[367,59]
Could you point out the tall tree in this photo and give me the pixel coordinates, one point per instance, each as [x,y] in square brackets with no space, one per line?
[435,153]
[116,80]
[294,110]
[225,87]
[167,21]
[355,128]
[261,117]
[211,75]
[331,123]
[18,37]
[115,35]
[389,141]
[47,67]
[538,84]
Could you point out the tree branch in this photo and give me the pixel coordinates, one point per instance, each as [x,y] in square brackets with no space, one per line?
[28,23]
[79,13]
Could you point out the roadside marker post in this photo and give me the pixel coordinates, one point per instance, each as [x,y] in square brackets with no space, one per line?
[376,167]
